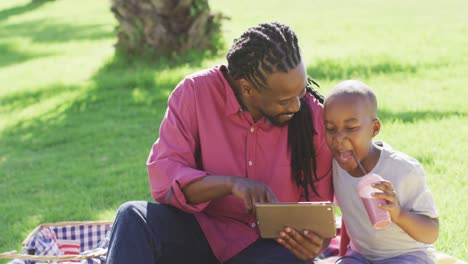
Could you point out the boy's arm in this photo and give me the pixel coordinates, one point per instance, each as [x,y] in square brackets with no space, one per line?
[420,227]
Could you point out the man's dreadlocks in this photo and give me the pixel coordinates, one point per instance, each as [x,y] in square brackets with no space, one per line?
[269,48]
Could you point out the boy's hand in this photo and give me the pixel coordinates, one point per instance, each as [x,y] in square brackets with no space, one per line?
[420,227]
[389,195]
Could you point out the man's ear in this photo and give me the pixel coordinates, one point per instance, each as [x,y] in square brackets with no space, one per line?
[246,87]
[376,127]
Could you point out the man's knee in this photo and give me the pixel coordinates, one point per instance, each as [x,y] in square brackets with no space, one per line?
[144,210]
[131,209]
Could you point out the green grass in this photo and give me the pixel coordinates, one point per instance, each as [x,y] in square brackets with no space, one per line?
[77,122]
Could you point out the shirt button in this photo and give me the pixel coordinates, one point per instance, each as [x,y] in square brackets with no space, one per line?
[253,225]
[252,129]
[250,163]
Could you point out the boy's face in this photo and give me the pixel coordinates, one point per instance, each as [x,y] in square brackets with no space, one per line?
[350,125]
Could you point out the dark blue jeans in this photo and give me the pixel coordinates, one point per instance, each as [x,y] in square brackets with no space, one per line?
[153,233]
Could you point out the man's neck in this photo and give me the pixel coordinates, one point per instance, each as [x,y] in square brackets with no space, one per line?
[235,86]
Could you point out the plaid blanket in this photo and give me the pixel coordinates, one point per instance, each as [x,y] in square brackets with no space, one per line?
[68,240]
[76,240]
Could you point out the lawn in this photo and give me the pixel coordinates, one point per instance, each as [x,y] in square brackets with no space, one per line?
[77,122]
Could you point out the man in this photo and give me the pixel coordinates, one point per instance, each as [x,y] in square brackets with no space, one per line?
[232,136]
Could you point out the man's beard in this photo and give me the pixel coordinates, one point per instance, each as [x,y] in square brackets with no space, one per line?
[276,120]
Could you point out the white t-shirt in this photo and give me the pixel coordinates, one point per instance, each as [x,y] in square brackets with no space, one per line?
[407,176]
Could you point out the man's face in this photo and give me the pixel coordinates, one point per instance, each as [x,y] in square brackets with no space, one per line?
[280,99]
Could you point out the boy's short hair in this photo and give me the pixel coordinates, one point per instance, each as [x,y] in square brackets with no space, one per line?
[355,88]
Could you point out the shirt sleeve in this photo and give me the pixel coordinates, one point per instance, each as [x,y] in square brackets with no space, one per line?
[418,196]
[173,162]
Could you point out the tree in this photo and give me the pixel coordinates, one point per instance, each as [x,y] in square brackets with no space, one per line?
[166,27]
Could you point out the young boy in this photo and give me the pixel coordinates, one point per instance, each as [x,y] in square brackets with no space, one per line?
[350,124]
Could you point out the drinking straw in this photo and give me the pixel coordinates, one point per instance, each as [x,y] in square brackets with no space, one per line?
[359,163]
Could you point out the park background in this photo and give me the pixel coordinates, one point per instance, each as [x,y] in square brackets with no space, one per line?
[77,122]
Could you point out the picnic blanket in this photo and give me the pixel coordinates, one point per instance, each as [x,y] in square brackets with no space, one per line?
[87,242]
[64,242]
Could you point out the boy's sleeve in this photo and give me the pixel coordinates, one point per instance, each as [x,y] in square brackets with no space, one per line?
[419,198]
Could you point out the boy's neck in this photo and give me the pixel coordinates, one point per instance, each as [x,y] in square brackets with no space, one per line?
[369,162]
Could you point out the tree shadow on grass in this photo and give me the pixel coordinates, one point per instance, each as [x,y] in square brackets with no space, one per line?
[43,31]
[388,116]
[416,116]
[23,99]
[329,69]
[18,10]
[11,55]
[86,153]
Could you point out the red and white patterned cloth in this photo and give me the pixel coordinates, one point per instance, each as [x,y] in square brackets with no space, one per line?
[68,240]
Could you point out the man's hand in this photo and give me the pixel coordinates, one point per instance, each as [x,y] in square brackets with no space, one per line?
[251,192]
[306,246]
[213,187]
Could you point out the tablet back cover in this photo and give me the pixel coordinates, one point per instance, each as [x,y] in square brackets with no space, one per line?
[318,217]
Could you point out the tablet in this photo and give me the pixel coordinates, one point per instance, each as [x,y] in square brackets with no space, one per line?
[318,217]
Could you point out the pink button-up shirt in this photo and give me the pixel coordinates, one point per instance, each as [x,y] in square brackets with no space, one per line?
[205,132]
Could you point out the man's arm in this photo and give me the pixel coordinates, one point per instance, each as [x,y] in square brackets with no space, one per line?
[207,188]
[173,166]
[172,163]
[212,187]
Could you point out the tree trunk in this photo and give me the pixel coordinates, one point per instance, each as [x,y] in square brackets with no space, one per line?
[166,27]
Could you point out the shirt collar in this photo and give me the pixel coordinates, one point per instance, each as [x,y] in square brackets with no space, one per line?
[232,105]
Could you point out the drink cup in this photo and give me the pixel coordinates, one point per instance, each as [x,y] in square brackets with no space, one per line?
[378,217]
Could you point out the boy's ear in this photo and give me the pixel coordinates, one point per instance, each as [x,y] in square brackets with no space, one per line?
[376,127]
